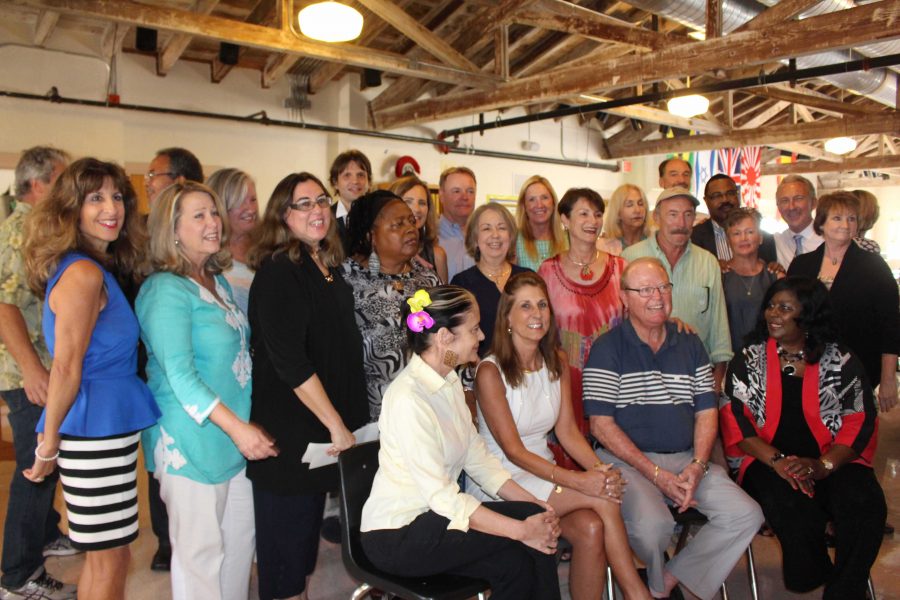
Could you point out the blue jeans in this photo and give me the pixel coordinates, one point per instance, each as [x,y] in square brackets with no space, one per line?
[31,520]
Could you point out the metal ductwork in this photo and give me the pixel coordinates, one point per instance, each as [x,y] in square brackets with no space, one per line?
[878,84]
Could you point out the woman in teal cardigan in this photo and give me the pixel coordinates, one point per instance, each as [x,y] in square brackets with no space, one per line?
[198,369]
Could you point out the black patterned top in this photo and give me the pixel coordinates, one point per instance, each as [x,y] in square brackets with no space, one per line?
[378,300]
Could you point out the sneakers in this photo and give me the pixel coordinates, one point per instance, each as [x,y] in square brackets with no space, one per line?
[61,546]
[40,587]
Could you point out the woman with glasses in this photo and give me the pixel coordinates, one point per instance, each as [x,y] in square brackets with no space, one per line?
[745,277]
[198,368]
[800,430]
[308,384]
[384,241]
[583,284]
[415,193]
[238,192]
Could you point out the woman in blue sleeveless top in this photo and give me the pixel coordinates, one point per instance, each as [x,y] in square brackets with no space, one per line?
[96,404]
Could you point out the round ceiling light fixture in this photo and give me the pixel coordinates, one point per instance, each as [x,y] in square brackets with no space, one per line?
[840,145]
[688,106]
[330,22]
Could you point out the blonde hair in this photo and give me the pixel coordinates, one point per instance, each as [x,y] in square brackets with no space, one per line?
[557,238]
[472,229]
[165,254]
[52,227]
[612,228]
[430,230]
[273,236]
[231,185]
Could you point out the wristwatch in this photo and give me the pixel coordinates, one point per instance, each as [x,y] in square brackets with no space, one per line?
[703,465]
[776,457]
[829,466]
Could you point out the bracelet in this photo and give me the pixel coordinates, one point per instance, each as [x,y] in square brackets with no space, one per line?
[42,458]
[597,465]
[655,473]
[553,474]
[703,465]
[775,458]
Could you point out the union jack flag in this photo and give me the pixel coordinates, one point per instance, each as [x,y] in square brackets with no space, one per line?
[730,163]
[750,174]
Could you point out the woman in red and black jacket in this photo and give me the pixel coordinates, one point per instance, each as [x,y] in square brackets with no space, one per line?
[800,429]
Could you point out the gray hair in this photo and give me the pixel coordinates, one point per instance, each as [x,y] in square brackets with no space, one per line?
[37,163]
[231,185]
[793,178]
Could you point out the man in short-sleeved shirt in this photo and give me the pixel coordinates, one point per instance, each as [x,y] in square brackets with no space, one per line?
[31,529]
[457,194]
[648,391]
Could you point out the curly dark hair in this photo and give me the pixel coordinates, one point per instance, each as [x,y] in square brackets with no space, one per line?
[816,317]
[363,213]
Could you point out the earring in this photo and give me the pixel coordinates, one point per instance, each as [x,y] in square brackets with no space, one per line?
[509,330]
[177,243]
[451,358]
[374,264]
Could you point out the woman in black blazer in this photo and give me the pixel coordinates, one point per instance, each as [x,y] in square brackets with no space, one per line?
[862,289]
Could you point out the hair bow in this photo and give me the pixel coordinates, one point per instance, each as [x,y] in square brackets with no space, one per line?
[419,301]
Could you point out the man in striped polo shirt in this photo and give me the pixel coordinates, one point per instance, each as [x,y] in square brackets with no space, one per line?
[648,391]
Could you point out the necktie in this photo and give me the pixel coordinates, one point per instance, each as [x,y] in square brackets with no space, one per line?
[798,241]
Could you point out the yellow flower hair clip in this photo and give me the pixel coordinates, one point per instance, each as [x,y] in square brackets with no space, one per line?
[419,301]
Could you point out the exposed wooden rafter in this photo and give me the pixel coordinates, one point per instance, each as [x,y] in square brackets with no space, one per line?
[866,23]
[171,52]
[821,166]
[769,135]
[817,101]
[571,18]
[255,36]
[45,25]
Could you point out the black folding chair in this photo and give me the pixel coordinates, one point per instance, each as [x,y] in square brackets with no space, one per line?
[357,471]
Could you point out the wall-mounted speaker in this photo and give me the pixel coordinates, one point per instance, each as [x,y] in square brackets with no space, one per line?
[145,39]
[228,53]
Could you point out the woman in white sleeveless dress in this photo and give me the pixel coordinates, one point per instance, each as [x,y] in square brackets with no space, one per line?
[522,389]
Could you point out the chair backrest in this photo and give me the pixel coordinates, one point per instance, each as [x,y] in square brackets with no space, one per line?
[357,467]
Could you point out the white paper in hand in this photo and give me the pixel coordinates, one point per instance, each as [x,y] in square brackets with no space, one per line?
[317,454]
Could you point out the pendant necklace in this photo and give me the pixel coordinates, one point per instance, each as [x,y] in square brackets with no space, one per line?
[496,276]
[790,358]
[587,273]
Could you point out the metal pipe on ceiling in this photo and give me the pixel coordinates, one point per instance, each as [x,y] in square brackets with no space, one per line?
[719,86]
[262,118]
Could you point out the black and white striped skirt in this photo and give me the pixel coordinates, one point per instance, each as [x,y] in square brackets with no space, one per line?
[99,479]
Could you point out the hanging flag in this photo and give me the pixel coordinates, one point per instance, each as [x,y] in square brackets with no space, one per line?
[750,174]
[729,162]
[704,166]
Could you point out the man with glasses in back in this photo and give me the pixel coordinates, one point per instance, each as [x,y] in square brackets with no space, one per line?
[697,298]
[171,165]
[796,200]
[722,196]
[648,391]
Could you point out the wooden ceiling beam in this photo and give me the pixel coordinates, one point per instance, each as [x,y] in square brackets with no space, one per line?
[827,105]
[867,23]
[112,38]
[765,136]
[45,25]
[809,150]
[424,37]
[765,115]
[570,18]
[776,15]
[859,163]
[175,47]
[256,36]
[264,13]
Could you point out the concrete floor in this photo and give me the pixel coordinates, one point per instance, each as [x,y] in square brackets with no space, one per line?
[331,582]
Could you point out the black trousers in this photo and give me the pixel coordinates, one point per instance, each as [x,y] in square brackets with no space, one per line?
[852,500]
[426,547]
[159,516]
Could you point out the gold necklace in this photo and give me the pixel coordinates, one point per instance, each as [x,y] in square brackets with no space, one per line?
[587,273]
[495,276]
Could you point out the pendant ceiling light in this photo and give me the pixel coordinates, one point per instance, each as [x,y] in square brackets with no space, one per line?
[688,106]
[840,145]
[330,22]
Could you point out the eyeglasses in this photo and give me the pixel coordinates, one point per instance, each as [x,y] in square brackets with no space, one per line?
[647,291]
[730,194]
[307,204]
[168,174]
